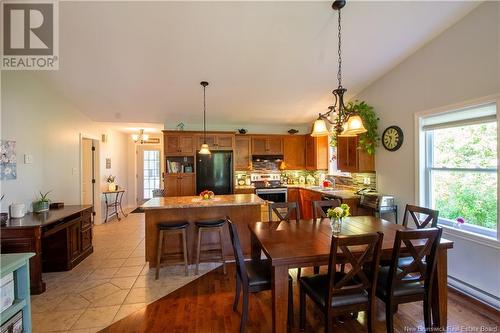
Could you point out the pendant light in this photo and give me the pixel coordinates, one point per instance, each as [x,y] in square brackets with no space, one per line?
[142,137]
[204,149]
[348,122]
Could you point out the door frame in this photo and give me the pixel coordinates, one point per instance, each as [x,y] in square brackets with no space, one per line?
[140,148]
[96,193]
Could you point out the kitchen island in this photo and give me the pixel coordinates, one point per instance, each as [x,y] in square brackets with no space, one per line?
[241,209]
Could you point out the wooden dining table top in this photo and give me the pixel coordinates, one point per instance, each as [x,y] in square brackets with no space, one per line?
[303,241]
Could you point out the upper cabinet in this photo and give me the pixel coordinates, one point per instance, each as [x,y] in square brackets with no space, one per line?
[178,144]
[243,153]
[316,153]
[267,145]
[351,158]
[294,152]
[217,141]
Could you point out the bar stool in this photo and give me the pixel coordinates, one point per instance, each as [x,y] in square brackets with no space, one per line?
[171,228]
[210,226]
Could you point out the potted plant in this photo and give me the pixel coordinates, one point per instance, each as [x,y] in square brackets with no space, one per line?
[336,215]
[111,183]
[42,204]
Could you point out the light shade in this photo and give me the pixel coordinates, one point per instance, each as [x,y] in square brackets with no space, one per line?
[135,137]
[204,150]
[145,137]
[319,128]
[354,126]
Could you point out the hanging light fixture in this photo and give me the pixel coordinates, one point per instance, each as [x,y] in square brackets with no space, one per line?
[204,149]
[348,122]
[140,137]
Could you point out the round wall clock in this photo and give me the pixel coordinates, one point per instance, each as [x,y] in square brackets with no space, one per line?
[392,138]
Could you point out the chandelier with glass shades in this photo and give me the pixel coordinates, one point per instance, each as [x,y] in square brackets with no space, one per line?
[141,137]
[344,122]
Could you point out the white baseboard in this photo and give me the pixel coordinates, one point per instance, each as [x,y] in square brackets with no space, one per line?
[480,295]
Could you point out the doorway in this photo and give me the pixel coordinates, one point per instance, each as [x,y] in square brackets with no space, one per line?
[148,171]
[88,174]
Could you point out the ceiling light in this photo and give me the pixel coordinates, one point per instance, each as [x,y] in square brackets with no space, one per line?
[319,128]
[141,137]
[204,149]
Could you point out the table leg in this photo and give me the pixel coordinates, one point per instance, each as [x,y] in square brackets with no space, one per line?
[440,292]
[120,202]
[280,298]
[107,206]
[255,247]
[116,207]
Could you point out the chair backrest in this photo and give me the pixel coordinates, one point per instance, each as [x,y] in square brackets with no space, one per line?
[159,192]
[362,253]
[421,247]
[318,206]
[238,252]
[292,211]
[417,213]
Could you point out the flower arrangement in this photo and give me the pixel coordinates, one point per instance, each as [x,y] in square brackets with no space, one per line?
[110,179]
[207,195]
[338,212]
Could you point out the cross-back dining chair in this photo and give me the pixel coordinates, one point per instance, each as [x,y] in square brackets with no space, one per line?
[347,292]
[252,277]
[405,281]
[291,211]
[317,207]
[421,216]
[159,192]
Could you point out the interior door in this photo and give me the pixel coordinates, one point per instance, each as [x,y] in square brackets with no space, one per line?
[87,172]
[148,172]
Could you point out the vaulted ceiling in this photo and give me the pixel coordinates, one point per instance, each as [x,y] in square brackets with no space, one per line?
[267,62]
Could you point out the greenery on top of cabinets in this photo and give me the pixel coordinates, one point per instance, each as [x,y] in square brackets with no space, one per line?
[368,141]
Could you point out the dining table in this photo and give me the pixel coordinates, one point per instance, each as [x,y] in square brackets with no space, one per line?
[306,243]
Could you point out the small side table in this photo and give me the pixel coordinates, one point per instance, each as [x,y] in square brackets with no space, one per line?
[113,200]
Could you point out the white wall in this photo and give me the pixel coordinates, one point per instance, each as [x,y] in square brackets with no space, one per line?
[459,65]
[45,125]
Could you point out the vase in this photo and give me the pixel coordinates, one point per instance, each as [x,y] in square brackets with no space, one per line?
[336,224]
[111,186]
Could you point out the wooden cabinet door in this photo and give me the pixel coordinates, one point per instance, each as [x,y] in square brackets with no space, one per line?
[186,185]
[171,185]
[74,240]
[186,144]
[171,143]
[86,238]
[275,145]
[352,159]
[259,145]
[224,141]
[210,141]
[317,153]
[310,153]
[242,153]
[343,154]
[294,152]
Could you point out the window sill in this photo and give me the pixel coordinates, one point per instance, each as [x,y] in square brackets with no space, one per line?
[470,236]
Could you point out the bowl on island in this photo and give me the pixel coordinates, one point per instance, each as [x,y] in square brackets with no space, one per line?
[207,195]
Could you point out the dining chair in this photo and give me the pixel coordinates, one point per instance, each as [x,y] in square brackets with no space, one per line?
[291,211]
[337,293]
[317,207]
[252,277]
[416,212]
[404,282]
[159,192]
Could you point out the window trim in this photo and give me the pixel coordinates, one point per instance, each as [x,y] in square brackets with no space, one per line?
[422,174]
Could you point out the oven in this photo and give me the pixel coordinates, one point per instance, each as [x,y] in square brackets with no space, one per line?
[276,194]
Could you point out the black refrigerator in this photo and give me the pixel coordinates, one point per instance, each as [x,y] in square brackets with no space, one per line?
[214,172]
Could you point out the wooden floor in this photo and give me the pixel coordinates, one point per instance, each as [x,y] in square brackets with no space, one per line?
[205,305]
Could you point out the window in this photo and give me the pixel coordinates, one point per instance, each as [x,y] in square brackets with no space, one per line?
[460,176]
[151,172]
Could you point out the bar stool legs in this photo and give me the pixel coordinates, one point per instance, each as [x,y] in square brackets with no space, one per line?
[201,230]
[161,242]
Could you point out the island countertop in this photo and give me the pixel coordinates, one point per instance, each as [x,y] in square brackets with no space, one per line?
[197,202]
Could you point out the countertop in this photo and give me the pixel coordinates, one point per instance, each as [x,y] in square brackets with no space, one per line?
[42,219]
[334,192]
[197,202]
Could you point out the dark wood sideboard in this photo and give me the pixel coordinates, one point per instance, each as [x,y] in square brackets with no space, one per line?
[60,239]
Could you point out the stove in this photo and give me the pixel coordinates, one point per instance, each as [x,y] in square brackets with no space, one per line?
[268,186]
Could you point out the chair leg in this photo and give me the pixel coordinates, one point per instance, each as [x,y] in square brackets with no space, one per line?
[370,320]
[302,308]
[342,268]
[244,311]
[222,251]
[290,303]
[316,269]
[237,295]
[389,316]
[427,313]
[184,245]
[328,322]
[159,253]
[299,271]
[200,230]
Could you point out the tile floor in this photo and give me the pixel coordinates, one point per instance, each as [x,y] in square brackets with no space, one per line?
[110,284]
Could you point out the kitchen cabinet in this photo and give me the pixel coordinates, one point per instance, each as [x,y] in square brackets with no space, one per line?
[317,153]
[351,158]
[267,145]
[245,190]
[243,153]
[217,141]
[294,147]
[180,184]
[306,198]
[178,144]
